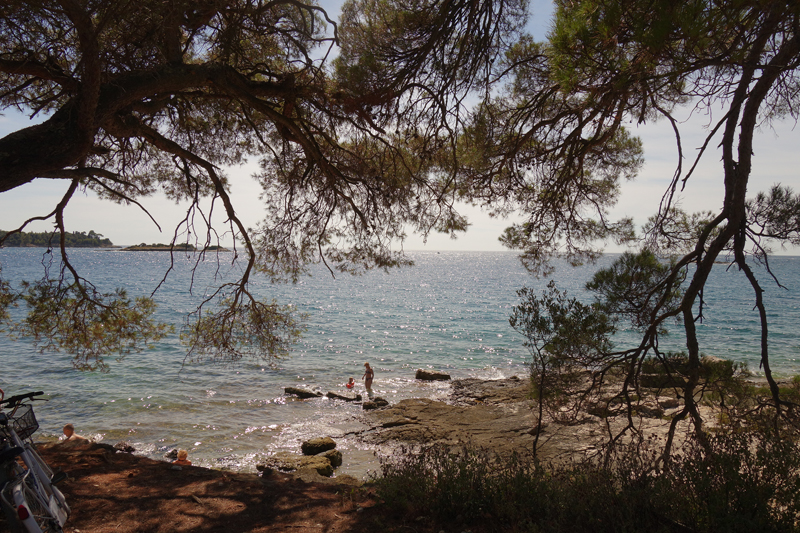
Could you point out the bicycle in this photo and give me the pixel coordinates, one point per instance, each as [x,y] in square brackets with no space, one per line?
[28,492]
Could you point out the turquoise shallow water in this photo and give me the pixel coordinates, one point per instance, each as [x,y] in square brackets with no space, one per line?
[449,312]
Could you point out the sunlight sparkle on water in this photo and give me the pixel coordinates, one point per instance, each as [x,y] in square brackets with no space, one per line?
[466,297]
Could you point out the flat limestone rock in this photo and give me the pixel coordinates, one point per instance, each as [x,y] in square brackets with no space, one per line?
[497,391]
[500,416]
[424,421]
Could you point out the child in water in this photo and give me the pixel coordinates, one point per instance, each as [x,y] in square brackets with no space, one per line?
[351,383]
[182,459]
[70,435]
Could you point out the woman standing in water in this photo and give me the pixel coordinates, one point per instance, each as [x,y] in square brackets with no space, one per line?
[367,377]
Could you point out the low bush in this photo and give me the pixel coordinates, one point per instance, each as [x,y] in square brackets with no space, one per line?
[743,483]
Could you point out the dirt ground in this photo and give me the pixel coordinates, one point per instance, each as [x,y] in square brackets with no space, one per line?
[123,493]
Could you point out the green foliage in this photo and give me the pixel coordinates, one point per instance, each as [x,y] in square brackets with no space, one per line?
[73,239]
[177,247]
[747,482]
[743,483]
[712,368]
[676,232]
[553,143]
[789,392]
[7,299]
[564,338]
[379,39]
[90,325]
[468,484]
[560,332]
[637,287]
[241,326]
[723,384]
[775,215]
[154,97]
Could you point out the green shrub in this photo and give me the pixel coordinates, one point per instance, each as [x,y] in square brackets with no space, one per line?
[745,483]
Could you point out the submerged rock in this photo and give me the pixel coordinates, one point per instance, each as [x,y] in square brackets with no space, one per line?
[302,393]
[125,447]
[431,375]
[335,396]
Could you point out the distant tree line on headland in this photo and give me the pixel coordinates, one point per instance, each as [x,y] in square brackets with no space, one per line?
[76,239]
[176,247]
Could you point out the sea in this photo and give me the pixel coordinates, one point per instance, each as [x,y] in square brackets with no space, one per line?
[449,312]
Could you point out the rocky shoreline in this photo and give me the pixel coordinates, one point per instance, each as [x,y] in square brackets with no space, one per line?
[114,491]
[497,415]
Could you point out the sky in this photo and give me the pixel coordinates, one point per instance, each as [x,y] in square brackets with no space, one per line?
[776,160]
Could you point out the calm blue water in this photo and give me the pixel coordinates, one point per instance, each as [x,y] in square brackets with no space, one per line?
[449,312]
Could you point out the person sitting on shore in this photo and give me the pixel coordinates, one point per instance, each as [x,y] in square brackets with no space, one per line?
[183,459]
[71,436]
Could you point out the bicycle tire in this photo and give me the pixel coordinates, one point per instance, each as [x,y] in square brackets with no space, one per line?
[12,522]
[25,492]
[10,471]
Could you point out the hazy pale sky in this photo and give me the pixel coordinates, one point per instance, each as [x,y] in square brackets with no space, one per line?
[777,160]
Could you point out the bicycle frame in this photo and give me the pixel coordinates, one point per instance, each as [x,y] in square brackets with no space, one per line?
[32,494]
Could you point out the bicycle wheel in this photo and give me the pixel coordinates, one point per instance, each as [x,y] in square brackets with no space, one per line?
[10,471]
[38,516]
[11,523]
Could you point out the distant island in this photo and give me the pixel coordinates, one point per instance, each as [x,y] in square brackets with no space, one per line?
[75,239]
[82,239]
[167,247]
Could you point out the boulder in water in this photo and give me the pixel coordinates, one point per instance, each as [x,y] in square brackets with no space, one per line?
[317,445]
[287,462]
[125,447]
[334,456]
[431,375]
